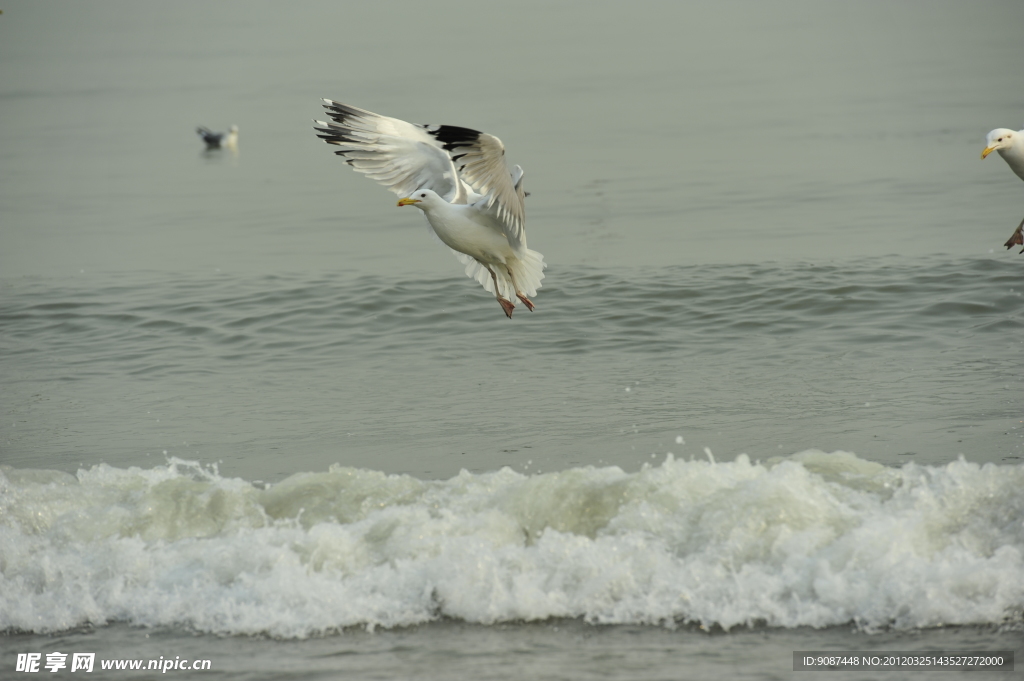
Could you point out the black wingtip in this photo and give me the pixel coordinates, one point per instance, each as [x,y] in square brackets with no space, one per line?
[452,136]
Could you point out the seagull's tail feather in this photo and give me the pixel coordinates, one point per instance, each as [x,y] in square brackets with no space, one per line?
[479,273]
[528,269]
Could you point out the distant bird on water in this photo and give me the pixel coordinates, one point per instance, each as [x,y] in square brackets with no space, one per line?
[459,178]
[1010,145]
[217,140]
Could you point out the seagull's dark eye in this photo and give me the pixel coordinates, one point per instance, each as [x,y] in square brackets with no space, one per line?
[423,196]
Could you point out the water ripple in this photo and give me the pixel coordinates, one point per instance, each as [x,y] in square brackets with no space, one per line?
[192,325]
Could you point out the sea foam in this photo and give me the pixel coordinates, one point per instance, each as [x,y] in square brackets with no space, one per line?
[814,539]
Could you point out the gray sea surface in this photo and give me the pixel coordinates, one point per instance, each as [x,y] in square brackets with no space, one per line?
[770,398]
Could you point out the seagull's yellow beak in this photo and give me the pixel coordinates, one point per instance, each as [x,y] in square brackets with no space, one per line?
[988,150]
[407,202]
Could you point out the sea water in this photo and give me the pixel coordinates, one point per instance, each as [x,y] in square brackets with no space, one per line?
[319,493]
[770,400]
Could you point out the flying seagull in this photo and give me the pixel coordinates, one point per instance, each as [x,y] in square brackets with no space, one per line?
[216,140]
[459,178]
[1010,145]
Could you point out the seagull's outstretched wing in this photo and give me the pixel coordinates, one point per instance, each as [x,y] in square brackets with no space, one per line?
[401,156]
[453,161]
[481,163]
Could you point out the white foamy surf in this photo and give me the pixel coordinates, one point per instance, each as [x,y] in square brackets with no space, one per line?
[814,539]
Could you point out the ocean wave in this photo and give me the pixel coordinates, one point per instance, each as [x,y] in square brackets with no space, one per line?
[813,539]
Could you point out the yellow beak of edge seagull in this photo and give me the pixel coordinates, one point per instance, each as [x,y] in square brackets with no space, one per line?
[988,150]
[409,202]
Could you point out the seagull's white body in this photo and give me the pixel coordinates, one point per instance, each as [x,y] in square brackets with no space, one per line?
[480,243]
[1010,145]
[465,228]
[458,177]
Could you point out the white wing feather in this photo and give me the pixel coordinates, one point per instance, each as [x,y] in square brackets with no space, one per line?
[460,164]
[482,166]
[401,156]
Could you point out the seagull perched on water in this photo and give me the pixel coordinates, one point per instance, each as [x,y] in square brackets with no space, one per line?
[459,178]
[216,140]
[1010,145]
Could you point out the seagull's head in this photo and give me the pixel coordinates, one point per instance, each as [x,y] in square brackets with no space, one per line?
[421,198]
[998,139]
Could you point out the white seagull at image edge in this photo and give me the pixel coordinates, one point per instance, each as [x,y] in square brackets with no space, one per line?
[459,178]
[1010,145]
